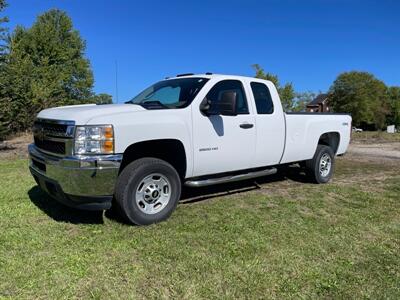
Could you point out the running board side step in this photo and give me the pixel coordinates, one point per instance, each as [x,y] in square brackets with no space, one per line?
[212,181]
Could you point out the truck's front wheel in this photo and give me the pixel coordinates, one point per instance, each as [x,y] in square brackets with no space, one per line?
[320,167]
[148,191]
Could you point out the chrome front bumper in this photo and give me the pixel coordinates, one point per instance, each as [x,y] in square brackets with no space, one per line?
[85,182]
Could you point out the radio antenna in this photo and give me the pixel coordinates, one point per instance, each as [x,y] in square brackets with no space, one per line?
[116,80]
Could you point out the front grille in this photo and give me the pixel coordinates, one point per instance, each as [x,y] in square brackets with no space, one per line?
[52,129]
[55,129]
[50,146]
[53,135]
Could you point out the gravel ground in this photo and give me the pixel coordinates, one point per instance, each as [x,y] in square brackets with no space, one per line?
[16,147]
[379,151]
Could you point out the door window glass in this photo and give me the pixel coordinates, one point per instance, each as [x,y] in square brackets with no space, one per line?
[214,95]
[263,98]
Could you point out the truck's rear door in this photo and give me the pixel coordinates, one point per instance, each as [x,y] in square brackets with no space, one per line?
[270,123]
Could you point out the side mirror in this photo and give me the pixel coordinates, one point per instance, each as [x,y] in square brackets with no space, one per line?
[205,107]
[227,104]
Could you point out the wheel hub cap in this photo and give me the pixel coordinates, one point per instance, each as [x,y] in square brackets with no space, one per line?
[325,165]
[153,193]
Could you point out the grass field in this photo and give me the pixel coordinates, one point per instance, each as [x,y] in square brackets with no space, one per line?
[284,238]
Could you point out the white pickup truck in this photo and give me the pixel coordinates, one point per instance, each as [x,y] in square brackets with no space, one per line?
[194,130]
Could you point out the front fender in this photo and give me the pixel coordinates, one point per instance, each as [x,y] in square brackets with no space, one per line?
[152,125]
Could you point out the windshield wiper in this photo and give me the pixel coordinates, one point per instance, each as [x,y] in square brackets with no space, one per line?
[153,104]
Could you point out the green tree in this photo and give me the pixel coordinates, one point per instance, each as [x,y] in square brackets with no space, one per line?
[3,30]
[394,102]
[286,92]
[45,67]
[101,98]
[5,117]
[362,95]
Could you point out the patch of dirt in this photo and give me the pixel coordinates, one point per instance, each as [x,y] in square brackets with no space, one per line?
[380,152]
[16,147]
[369,183]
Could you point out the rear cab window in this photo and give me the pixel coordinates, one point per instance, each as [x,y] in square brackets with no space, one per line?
[262,98]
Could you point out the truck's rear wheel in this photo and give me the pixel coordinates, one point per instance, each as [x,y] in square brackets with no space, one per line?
[320,167]
[147,191]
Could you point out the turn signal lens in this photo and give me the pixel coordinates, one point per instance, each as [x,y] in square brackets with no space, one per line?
[107,147]
[108,132]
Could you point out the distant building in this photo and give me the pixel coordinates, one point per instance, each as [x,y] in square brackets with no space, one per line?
[319,104]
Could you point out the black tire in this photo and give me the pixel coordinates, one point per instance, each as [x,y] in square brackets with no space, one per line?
[313,165]
[128,183]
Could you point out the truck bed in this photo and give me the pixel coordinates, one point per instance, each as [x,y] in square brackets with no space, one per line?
[304,129]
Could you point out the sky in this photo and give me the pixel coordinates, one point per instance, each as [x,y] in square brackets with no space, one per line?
[307,43]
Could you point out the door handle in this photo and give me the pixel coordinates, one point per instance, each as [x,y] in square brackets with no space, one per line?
[246,125]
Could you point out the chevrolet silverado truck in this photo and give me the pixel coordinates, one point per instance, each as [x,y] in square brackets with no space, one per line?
[192,130]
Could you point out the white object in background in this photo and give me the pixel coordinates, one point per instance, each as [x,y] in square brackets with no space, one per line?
[391,129]
[355,129]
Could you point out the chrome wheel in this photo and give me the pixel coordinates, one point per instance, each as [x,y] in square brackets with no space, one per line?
[325,165]
[153,193]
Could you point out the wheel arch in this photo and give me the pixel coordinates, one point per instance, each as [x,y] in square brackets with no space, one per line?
[169,150]
[331,139]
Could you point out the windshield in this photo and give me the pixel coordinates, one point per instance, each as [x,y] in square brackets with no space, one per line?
[173,93]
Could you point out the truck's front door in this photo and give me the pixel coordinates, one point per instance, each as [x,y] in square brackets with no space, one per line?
[224,143]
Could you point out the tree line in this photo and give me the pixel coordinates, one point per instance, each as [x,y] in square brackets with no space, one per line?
[372,104]
[40,67]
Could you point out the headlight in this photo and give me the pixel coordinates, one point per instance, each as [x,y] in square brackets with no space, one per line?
[93,139]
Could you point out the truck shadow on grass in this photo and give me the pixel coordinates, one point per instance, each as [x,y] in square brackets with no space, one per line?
[62,213]
[193,195]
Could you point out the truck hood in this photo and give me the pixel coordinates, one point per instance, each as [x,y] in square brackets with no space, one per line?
[82,114]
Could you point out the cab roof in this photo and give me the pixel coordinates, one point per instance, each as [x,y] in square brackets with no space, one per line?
[212,75]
